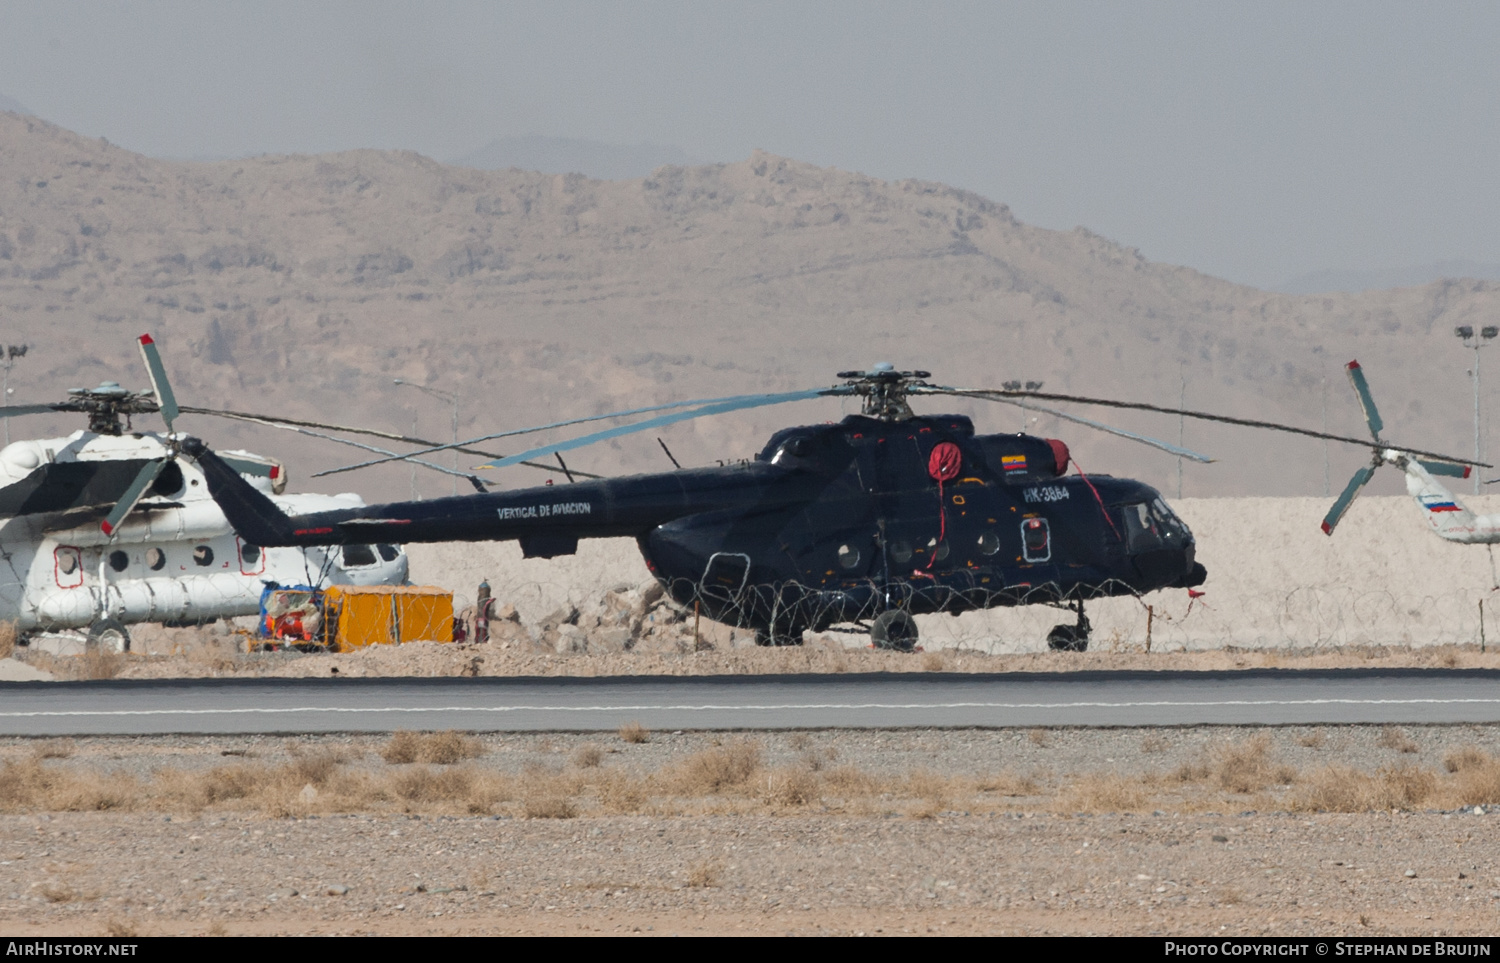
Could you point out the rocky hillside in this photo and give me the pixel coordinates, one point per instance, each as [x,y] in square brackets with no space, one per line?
[304,285]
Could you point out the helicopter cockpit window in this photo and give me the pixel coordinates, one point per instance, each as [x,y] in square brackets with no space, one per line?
[1036,540]
[357,556]
[1150,526]
[119,560]
[848,556]
[389,552]
[989,543]
[791,448]
[156,559]
[203,555]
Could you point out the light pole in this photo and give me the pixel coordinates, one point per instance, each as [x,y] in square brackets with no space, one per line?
[453,400]
[12,352]
[1465,333]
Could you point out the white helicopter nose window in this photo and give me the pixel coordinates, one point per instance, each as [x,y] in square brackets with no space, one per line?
[357,556]
[203,555]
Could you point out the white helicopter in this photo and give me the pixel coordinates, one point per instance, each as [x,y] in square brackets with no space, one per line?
[109,527]
[1448,517]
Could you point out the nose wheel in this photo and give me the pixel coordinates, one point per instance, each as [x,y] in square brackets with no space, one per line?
[1071,638]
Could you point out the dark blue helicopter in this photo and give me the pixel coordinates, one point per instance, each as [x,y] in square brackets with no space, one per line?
[880,517]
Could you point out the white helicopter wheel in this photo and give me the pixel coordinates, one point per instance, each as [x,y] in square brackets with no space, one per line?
[109,635]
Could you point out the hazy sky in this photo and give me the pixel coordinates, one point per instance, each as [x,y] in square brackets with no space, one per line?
[1254,141]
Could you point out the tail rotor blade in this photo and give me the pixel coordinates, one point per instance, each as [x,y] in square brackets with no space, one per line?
[1346,497]
[1366,400]
[159,384]
[143,480]
[1445,468]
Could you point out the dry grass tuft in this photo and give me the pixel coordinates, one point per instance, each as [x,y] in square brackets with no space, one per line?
[1312,740]
[588,756]
[1037,737]
[1008,784]
[8,638]
[703,875]
[1154,742]
[714,770]
[634,732]
[438,748]
[790,787]
[97,664]
[851,782]
[54,749]
[933,662]
[1250,767]
[1392,737]
[58,892]
[1342,789]
[1467,757]
[549,807]
[29,786]
[1103,793]
[120,929]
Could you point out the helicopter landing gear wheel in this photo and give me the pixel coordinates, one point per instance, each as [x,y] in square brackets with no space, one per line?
[895,630]
[1071,638]
[109,635]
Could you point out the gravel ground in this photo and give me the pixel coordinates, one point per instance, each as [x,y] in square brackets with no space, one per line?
[1015,864]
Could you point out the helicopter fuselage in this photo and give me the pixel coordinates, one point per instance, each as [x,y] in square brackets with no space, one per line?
[829,523]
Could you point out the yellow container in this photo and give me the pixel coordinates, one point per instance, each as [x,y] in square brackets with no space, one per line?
[361,615]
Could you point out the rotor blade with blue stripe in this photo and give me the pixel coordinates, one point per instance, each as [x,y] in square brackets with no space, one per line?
[1445,468]
[165,400]
[556,424]
[736,404]
[131,495]
[1346,497]
[1366,400]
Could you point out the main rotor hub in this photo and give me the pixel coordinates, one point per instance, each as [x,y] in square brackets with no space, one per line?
[105,404]
[884,390]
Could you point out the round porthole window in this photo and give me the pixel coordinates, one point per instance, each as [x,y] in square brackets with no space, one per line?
[989,543]
[203,555]
[848,556]
[118,560]
[937,548]
[900,551]
[156,559]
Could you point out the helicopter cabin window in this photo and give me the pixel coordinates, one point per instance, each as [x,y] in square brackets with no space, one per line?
[900,551]
[118,560]
[389,552]
[203,555]
[1036,540]
[989,543]
[848,556]
[156,559]
[68,565]
[937,548]
[358,556]
[252,558]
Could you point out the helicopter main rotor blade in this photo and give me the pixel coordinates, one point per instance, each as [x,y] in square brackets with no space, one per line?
[12,411]
[995,395]
[734,401]
[166,401]
[293,424]
[1366,400]
[1100,426]
[1346,498]
[1445,468]
[143,480]
[727,405]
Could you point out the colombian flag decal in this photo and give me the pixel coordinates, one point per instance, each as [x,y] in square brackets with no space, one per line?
[1013,462]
